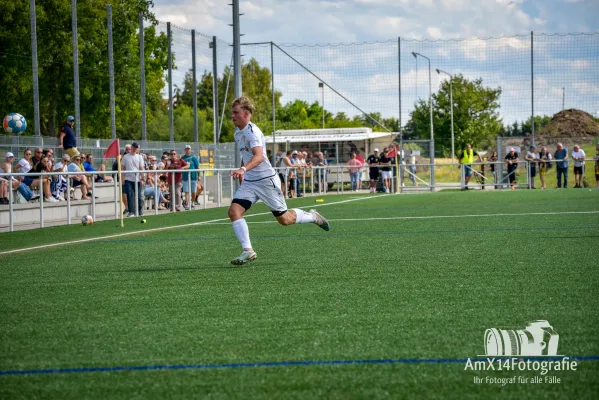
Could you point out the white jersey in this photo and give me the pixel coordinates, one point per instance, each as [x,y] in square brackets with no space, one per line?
[247,138]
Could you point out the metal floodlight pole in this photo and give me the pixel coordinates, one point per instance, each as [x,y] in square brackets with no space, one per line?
[170,83]
[237,90]
[215,89]
[36,88]
[274,107]
[142,77]
[321,85]
[194,92]
[440,71]
[75,67]
[532,88]
[563,98]
[430,105]
[111,74]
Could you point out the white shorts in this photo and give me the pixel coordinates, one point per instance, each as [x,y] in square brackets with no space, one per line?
[387,174]
[268,190]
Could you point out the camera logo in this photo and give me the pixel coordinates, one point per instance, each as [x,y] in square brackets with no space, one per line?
[537,339]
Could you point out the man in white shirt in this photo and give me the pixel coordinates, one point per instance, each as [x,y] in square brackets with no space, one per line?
[259,181]
[133,163]
[578,156]
[532,158]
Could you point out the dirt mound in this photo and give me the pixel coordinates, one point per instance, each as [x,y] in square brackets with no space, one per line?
[571,123]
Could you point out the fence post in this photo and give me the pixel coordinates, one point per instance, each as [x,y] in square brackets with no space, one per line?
[215,90]
[68,199]
[93,197]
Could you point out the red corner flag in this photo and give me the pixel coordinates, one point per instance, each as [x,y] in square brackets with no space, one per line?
[391,153]
[113,150]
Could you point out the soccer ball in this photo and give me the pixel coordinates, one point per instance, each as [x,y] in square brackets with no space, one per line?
[87,220]
[14,123]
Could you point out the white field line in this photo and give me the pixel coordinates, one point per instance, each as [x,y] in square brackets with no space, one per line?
[438,217]
[45,246]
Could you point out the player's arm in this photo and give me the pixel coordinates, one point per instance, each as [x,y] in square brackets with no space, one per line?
[257,158]
[60,139]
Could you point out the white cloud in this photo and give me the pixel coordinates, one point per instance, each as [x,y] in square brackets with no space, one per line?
[475,50]
[586,88]
[433,32]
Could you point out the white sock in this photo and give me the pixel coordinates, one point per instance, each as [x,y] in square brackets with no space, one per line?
[240,227]
[303,217]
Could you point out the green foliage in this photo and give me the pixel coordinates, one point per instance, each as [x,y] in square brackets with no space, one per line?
[55,59]
[475,115]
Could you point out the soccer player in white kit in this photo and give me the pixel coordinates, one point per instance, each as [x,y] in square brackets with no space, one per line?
[259,182]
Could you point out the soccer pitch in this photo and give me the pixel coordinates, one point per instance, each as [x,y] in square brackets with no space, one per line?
[390,303]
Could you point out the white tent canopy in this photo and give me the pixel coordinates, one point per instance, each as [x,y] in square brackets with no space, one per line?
[325,135]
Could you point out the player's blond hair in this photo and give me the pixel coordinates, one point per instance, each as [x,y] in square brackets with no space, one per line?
[245,104]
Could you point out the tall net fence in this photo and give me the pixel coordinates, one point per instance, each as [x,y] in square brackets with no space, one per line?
[496,83]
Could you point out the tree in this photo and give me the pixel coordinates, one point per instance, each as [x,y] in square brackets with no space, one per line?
[55,63]
[475,114]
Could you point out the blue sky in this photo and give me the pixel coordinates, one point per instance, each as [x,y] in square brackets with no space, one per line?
[367,73]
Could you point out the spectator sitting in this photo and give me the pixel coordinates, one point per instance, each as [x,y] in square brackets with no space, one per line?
[80,179]
[88,166]
[61,181]
[150,192]
[37,157]
[6,167]
[44,181]
[24,166]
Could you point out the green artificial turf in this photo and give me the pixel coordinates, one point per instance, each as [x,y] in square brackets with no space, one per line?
[381,285]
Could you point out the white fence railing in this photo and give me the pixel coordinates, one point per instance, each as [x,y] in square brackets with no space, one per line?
[219,187]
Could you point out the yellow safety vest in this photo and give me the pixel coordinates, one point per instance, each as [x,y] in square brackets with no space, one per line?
[468,158]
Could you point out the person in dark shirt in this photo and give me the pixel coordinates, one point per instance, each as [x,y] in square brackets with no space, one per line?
[373,163]
[44,181]
[512,165]
[67,139]
[386,170]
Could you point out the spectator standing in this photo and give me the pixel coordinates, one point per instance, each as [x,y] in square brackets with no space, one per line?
[386,169]
[511,160]
[133,163]
[176,163]
[493,159]
[190,178]
[597,167]
[362,161]
[297,163]
[291,177]
[578,156]
[466,159]
[544,165]
[373,164]
[561,157]
[88,167]
[532,159]
[67,139]
[354,169]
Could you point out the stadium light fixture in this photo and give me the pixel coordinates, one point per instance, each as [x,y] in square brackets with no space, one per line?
[440,71]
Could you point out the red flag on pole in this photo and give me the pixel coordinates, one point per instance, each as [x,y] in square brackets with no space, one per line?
[391,153]
[113,150]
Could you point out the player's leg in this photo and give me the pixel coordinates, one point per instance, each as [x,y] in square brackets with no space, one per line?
[242,201]
[269,191]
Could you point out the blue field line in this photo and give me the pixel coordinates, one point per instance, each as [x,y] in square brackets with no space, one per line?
[304,235]
[273,364]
